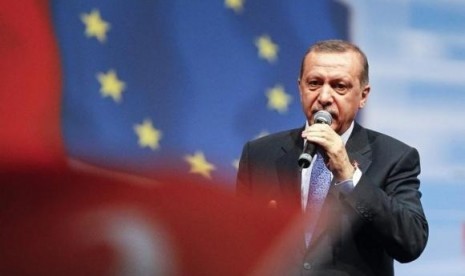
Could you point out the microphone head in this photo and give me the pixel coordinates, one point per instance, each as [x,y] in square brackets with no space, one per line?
[323,117]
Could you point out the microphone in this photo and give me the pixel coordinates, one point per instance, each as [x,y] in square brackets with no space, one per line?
[321,117]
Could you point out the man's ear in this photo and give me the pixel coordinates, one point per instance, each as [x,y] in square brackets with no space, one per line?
[298,87]
[365,93]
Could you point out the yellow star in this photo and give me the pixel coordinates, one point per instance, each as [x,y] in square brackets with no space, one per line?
[235,5]
[199,165]
[278,99]
[148,135]
[95,25]
[110,85]
[267,49]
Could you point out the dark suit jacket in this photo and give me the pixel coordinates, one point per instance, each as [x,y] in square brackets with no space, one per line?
[362,232]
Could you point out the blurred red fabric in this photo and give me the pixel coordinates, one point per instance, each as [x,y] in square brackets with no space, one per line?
[29,86]
[75,223]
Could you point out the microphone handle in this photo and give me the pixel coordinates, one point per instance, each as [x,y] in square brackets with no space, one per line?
[321,117]
[306,156]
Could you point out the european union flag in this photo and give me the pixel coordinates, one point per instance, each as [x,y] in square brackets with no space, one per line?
[151,83]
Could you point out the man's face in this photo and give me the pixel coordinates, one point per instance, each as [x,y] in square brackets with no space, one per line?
[331,82]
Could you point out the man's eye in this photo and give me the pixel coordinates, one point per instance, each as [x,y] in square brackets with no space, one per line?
[312,84]
[340,87]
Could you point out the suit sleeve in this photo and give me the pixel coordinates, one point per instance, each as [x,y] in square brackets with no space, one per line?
[390,204]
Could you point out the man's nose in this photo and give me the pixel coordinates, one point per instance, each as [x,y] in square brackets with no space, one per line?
[325,97]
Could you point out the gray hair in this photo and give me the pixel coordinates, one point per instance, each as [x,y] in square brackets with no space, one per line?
[338,46]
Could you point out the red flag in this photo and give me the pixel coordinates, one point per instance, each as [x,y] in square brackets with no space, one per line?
[29,86]
[82,223]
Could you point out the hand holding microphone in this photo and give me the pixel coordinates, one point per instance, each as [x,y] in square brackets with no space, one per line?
[321,117]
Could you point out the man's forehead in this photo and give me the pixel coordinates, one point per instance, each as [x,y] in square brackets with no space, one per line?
[336,55]
[333,60]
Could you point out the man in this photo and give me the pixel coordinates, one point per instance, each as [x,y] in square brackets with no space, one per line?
[372,213]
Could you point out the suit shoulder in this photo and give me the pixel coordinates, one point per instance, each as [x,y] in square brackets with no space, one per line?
[286,136]
[383,139]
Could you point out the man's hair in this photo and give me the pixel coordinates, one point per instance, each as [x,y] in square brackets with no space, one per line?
[338,46]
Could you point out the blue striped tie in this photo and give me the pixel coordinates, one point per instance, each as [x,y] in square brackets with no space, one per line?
[320,180]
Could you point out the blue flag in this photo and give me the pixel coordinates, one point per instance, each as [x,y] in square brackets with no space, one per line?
[184,83]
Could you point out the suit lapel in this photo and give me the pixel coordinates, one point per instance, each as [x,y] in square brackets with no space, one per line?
[287,166]
[359,149]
